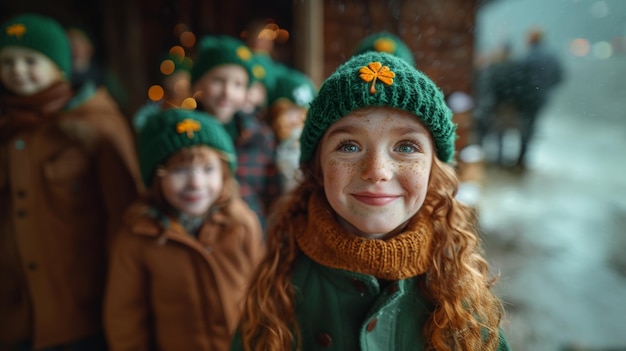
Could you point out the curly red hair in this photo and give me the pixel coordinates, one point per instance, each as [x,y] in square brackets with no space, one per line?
[466,313]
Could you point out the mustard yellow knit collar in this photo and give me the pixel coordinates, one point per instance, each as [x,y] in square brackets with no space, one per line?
[326,242]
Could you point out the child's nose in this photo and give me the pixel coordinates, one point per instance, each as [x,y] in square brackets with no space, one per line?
[195,179]
[19,67]
[228,90]
[376,167]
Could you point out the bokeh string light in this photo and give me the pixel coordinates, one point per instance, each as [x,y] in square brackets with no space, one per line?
[177,57]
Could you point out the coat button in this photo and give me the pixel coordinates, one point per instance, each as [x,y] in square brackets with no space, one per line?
[359,285]
[21,213]
[21,194]
[324,340]
[371,325]
[31,266]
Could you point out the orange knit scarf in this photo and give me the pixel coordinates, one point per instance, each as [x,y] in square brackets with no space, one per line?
[406,255]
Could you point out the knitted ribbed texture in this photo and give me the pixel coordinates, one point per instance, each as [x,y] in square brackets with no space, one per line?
[168,131]
[410,90]
[220,50]
[385,42]
[39,33]
[406,255]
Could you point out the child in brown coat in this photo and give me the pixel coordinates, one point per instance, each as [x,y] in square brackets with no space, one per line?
[183,260]
[68,172]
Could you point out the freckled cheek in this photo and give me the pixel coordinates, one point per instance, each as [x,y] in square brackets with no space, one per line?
[416,174]
[334,171]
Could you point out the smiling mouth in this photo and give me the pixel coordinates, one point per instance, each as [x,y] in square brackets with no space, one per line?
[193,198]
[374,199]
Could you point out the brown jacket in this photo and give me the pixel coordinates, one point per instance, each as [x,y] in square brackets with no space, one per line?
[65,182]
[169,291]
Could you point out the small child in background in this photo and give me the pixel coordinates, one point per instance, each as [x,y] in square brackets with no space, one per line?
[220,78]
[68,171]
[85,67]
[289,103]
[264,71]
[183,259]
[371,251]
[385,42]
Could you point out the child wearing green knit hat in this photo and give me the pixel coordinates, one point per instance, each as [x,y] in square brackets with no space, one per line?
[264,71]
[289,103]
[68,171]
[385,42]
[188,248]
[45,39]
[221,77]
[373,232]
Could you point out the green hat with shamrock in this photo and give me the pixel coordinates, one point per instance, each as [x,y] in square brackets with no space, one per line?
[294,86]
[385,42]
[264,70]
[39,33]
[168,131]
[220,50]
[379,79]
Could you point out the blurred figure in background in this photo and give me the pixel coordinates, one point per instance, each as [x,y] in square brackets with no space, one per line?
[68,171]
[542,73]
[263,83]
[221,76]
[289,104]
[86,68]
[501,99]
[183,259]
[385,42]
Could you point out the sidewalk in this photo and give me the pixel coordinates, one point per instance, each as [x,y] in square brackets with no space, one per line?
[557,233]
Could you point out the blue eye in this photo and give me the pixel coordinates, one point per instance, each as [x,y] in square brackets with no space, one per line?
[179,170]
[208,169]
[348,147]
[407,147]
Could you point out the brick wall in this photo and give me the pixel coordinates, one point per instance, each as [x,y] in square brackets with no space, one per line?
[439,32]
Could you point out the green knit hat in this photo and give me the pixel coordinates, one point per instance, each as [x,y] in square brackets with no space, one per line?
[39,33]
[168,131]
[294,86]
[264,70]
[385,42]
[219,50]
[379,79]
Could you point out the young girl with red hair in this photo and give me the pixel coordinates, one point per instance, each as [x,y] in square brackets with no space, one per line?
[371,251]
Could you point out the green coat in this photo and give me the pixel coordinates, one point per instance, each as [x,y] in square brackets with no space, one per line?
[343,310]
[351,311]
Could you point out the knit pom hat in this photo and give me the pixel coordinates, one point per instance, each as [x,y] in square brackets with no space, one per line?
[385,42]
[264,70]
[39,33]
[219,50]
[168,131]
[294,86]
[379,79]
